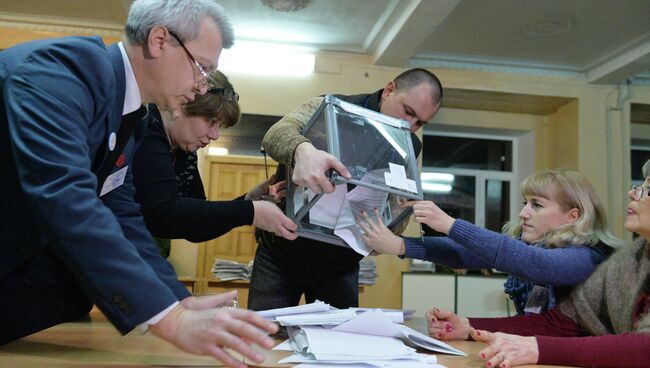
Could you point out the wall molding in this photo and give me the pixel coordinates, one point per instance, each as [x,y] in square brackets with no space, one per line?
[58,25]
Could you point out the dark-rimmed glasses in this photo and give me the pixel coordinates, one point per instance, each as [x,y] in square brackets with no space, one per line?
[637,191]
[228,93]
[203,82]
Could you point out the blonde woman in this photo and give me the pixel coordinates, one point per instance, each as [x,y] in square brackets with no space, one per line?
[605,322]
[557,242]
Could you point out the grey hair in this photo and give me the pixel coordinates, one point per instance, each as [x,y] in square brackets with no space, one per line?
[183,17]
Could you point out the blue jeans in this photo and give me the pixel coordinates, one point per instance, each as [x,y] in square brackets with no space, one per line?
[283,270]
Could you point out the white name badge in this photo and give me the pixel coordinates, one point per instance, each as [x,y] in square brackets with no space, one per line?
[114,180]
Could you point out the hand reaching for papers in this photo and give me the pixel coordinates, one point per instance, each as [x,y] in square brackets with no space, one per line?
[426,212]
[270,218]
[505,350]
[268,190]
[446,325]
[210,331]
[377,236]
[276,191]
[311,166]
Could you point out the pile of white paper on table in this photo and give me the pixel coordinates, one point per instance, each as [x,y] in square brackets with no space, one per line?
[319,335]
[226,270]
[367,271]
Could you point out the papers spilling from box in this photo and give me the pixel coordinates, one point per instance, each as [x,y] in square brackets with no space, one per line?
[378,152]
[319,334]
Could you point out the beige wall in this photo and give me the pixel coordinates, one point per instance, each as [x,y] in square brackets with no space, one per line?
[590,134]
[562,141]
[13,36]
[577,136]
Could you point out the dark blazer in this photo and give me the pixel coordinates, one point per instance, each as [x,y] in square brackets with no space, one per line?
[60,101]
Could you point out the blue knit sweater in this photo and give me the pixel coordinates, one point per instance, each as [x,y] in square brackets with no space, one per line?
[470,246]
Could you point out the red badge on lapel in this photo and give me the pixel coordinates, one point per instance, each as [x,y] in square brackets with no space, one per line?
[120,161]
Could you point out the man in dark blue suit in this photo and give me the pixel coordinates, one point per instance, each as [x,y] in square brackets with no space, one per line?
[72,235]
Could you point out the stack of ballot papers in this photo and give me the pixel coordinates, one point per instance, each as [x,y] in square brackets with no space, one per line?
[315,307]
[319,313]
[367,271]
[320,335]
[227,270]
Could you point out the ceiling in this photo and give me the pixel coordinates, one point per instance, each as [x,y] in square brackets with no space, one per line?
[599,41]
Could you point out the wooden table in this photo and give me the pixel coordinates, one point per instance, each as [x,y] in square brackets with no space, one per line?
[97,343]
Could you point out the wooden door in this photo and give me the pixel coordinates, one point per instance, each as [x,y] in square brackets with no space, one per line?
[230,177]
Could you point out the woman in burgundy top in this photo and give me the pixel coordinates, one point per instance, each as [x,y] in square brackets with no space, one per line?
[604,323]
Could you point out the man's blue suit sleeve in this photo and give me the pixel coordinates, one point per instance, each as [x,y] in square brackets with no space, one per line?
[56,102]
[121,202]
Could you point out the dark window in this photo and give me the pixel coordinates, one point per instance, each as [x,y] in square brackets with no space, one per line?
[467,153]
[497,204]
[245,138]
[460,202]
[638,157]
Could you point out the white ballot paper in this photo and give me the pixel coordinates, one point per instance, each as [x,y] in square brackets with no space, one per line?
[394,315]
[396,177]
[359,199]
[406,314]
[370,338]
[315,307]
[338,210]
[382,364]
[331,318]
[377,323]
[328,208]
[420,361]
[321,344]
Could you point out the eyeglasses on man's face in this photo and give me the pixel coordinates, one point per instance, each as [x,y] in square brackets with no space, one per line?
[203,82]
[638,190]
[228,93]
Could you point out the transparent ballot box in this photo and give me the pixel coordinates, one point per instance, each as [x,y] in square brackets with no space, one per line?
[378,152]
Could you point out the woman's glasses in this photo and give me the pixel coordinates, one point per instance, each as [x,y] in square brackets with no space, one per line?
[637,191]
[228,93]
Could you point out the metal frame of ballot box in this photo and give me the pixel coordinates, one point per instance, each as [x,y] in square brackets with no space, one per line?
[380,140]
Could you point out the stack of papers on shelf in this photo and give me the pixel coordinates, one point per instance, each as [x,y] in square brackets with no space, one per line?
[367,338]
[227,270]
[367,271]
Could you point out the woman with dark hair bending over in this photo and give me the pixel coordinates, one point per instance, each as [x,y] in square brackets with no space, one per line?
[167,180]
